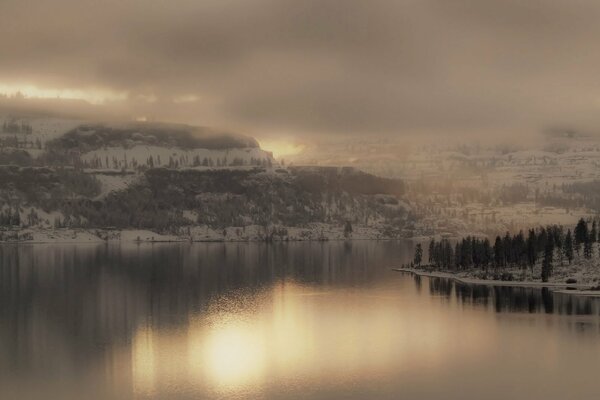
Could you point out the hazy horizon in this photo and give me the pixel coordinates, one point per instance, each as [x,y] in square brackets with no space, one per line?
[297,72]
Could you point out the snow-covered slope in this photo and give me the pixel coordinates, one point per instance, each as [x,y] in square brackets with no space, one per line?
[156,156]
[39,140]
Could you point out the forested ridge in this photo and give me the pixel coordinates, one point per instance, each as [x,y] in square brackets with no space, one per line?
[166,199]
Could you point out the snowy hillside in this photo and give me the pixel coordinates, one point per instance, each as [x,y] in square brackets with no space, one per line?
[459,188]
[93,180]
[118,158]
[204,204]
[43,141]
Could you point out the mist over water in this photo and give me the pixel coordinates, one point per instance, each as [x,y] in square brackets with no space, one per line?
[297,320]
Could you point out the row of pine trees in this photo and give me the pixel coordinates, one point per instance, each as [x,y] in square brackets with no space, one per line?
[520,250]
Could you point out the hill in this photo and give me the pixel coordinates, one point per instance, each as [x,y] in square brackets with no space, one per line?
[174,182]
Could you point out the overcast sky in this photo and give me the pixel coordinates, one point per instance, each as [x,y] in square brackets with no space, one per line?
[318,68]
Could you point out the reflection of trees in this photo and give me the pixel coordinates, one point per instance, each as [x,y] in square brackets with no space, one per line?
[418,282]
[515,299]
[477,294]
[576,305]
[68,305]
[441,287]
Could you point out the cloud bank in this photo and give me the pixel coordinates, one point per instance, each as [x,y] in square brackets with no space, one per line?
[318,68]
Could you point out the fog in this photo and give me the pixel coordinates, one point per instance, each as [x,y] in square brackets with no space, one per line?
[316,69]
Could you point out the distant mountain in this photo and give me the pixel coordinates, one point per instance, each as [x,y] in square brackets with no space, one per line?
[186,182]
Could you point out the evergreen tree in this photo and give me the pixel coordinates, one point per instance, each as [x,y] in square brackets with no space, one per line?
[448,254]
[568,247]
[457,255]
[520,249]
[507,245]
[558,241]
[581,234]
[466,252]
[437,254]
[498,252]
[547,262]
[531,248]
[542,239]
[431,251]
[16,217]
[487,253]
[418,255]
[348,229]
[587,247]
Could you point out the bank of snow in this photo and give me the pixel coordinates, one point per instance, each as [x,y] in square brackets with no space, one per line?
[467,277]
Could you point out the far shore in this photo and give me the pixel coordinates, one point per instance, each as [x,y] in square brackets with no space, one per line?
[253,233]
[577,289]
[112,241]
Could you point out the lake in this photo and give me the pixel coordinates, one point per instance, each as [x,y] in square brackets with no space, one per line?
[326,320]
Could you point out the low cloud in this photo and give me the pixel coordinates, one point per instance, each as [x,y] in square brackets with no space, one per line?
[318,68]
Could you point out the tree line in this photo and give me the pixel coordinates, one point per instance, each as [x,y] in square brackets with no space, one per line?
[518,250]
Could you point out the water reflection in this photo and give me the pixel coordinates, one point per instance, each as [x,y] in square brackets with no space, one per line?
[67,310]
[321,320]
[514,299]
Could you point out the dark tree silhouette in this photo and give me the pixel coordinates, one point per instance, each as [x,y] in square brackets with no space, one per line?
[509,251]
[418,255]
[547,262]
[568,247]
[581,234]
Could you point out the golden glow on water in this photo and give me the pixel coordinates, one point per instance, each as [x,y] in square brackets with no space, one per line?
[293,338]
[143,362]
[233,354]
[225,325]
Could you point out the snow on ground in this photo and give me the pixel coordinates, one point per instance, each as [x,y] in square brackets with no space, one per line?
[582,274]
[203,233]
[114,183]
[51,128]
[46,219]
[50,235]
[314,231]
[65,236]
[119,157]
[190,215]
[43,130]
[141,235]
[511,218]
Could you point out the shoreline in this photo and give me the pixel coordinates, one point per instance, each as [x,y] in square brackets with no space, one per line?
[202,234]
[112,241]
[28,242]
[576,289]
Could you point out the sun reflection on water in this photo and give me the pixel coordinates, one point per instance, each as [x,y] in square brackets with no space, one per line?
[144,366]
[293,339]
[233,354]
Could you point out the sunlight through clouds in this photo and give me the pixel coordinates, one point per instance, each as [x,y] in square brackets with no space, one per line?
[94,96]
[281,148]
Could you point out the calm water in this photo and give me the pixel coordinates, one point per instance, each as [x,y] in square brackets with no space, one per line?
[301,320]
